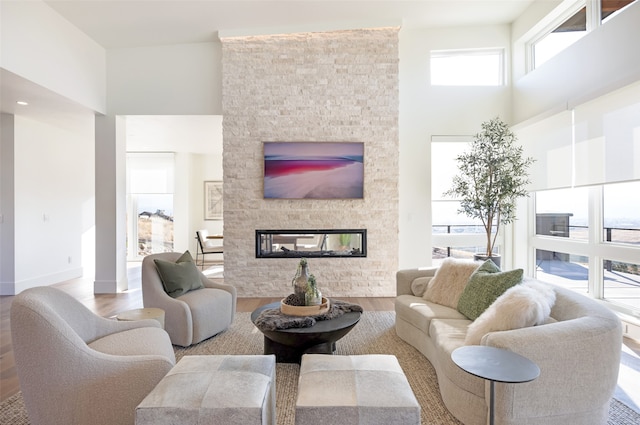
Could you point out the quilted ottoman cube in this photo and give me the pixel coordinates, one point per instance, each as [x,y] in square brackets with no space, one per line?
[366,389]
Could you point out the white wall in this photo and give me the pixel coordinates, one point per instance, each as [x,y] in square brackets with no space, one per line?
[7,205]
[53,166]
[206,167]
[427,111]
[111,198]
[54,192]
[180,79]
[41,46]
[192,170]
[160,80]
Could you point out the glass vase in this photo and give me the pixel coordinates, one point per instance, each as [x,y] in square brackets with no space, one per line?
[313,296]
[300,281]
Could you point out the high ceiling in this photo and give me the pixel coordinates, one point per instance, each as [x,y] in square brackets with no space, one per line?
[137,23]
[130,23]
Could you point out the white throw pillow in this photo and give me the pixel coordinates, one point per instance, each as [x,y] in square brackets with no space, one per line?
[523,305]
[449,281]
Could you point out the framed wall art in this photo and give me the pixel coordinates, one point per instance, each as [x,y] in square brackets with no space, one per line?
[213,200]
[313,170]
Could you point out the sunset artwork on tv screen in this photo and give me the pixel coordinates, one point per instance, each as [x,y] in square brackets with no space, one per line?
[315,170]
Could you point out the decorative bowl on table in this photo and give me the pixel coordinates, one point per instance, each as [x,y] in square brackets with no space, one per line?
[305,310]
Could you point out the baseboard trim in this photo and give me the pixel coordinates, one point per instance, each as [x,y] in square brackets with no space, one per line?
[14,288]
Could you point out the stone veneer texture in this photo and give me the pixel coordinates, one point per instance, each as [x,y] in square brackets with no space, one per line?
[312,87]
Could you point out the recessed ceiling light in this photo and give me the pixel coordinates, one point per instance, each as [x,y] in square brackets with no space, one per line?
[22,103]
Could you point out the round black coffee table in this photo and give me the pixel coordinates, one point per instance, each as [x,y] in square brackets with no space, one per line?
[290,344]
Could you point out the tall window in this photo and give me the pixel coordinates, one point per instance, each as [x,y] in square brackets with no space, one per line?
[621,226]
[563,213]
[150,178]
[453,234]
[474,67]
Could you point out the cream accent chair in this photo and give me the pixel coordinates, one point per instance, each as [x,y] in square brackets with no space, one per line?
[77,368]
[194,316]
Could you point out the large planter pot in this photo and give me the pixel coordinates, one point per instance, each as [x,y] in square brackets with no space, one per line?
[495,258]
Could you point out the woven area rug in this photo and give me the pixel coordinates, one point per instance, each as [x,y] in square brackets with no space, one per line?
[374,334]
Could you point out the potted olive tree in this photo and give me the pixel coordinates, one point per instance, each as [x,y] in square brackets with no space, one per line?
[493,175]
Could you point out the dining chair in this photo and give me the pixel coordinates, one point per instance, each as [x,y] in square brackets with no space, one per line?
[207,245]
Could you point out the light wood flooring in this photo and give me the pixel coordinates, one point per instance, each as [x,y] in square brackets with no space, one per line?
[109,305]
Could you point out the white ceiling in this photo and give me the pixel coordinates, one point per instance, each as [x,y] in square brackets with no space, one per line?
[137,23]
[129,23]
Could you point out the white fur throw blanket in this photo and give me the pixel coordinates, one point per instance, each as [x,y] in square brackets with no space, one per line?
[523,305]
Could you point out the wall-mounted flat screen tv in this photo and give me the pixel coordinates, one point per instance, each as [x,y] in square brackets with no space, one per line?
[313,170]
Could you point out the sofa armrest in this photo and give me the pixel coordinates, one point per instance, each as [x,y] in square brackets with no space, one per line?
[405,277]
[578,361]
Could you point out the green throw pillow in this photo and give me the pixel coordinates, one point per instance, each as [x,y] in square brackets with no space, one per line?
[180,277]
[485,285]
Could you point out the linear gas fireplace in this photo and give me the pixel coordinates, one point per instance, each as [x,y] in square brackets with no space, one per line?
[311,243]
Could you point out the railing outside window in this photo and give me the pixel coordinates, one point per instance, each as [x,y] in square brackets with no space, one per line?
[621,280]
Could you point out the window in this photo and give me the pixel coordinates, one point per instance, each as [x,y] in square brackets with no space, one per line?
[621,213]
[150,203]
[587,238]
[566,26]
[453,234]
[597,260]
[561,37]
[479,67]
[621,283]
[610,8]
[445,216]
[563,269]
[563,213]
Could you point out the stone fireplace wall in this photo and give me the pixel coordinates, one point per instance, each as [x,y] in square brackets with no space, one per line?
[318,87]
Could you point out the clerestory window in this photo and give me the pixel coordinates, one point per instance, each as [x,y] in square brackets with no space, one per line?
[472,67]
[572,23]
[560,37]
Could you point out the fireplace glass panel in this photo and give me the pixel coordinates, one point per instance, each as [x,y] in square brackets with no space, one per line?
[311,243]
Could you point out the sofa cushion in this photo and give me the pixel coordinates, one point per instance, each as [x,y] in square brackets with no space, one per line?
[419,312]
[449,334]
[485,285]
[527,304]
[449,281]
[180,277]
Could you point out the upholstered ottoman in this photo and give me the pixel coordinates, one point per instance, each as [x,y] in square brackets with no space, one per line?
[368,389]
[213,389]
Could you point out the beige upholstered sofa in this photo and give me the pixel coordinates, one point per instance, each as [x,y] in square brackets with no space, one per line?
[76,368]
[577,350]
